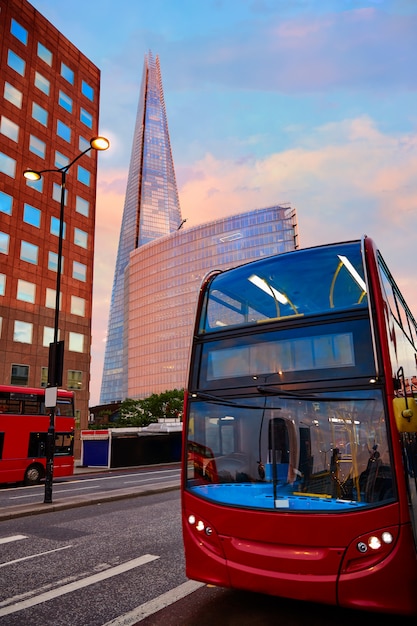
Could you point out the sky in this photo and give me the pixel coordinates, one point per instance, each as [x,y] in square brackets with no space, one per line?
[307,102]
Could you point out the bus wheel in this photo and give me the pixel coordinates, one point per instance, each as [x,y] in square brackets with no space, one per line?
[33,475]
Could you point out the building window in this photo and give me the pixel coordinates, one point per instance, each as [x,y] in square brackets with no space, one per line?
[77,306]
[65,101]
[87,90]
[86,118]
[63,131]
[19,32]
[29,252]
[39,114]
[60,160]
[26,291]
[20,375]
[44,54]
[57,192]
[31,215]
[13,95]
[42,83]
[37,146]
[67,73]
[84,145]
[44,376]
[53,262]
[82,206]
[76,342]
[7,165]
[4,243]
[74,379]
[83,175]
[22,332]
[6,203]
[3,285]
[37,185]
[48,336]
[50,298]
[79,271]
[54,230]
[9,129]
[80,238]
[15,62]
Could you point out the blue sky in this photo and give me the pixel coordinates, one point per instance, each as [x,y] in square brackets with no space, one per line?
[311,102]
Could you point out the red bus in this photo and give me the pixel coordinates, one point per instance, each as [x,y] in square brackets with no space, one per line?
[24,423]
[300,449]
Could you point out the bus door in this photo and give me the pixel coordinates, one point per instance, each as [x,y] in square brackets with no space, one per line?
[409,444]
[405,411]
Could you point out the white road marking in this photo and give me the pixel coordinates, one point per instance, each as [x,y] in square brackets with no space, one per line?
[30,495]
[113,477]
[12,538]
[33,556]
[147,480]
[161,602]
[78,584]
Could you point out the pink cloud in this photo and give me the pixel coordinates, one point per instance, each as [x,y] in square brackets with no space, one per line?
[351,180]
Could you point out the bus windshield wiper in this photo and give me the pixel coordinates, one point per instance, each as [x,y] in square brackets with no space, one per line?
[313,397]
[225,402]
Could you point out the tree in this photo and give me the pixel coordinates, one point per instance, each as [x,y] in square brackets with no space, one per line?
[132,414]
[168,404]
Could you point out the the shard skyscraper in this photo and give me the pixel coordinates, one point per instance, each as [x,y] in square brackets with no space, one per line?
[151,210]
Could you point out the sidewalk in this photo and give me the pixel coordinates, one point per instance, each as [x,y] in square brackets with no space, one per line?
[64,503]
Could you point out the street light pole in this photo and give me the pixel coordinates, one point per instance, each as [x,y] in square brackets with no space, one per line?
[56,348]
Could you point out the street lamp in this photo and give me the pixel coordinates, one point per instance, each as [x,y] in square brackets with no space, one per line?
[56,348]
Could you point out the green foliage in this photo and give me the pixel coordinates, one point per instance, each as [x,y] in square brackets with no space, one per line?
[168,404]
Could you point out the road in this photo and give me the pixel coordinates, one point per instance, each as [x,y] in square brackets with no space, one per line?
[88,486]
[86,566]
[120,563]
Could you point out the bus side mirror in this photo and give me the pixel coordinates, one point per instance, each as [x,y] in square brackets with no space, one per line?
[405,411]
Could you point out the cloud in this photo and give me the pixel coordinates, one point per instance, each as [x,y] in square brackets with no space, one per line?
[351,180]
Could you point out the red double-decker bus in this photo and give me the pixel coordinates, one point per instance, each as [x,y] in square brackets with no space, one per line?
[24,423]
[300,443]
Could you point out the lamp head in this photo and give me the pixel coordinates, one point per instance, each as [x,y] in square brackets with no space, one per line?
[99,143]
[32,175]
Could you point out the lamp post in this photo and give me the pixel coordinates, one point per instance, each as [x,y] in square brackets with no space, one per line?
[56,348]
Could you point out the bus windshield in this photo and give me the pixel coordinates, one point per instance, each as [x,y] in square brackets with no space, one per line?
[296,284]
[324,452]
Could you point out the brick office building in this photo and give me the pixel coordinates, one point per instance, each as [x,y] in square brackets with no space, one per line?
[49,93]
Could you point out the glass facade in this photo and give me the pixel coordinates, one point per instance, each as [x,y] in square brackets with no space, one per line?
[163,282]
[151,211]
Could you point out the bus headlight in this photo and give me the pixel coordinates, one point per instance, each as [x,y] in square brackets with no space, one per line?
[204,533]
[374,542]
[369,549]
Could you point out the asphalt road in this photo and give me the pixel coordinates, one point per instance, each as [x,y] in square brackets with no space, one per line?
[85,499]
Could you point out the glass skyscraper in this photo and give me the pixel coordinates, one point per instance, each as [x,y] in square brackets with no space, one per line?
[162,286]
[159,267]
[151,210]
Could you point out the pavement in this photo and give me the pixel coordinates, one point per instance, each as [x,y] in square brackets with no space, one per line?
[70,502]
